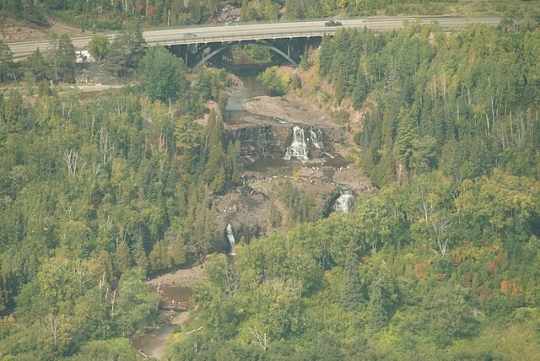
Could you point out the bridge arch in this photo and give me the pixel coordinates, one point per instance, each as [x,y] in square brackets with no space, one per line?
[228,46]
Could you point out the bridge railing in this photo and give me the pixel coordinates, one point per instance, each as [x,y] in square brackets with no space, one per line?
[231,38]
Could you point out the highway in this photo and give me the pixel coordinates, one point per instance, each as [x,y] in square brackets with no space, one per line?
[197,35]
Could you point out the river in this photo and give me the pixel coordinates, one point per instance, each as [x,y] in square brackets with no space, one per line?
[173,288]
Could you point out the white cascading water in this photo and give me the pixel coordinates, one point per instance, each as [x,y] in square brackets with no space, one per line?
[261,141]
[230,236]
[298,148]
[345,202]
[316,138]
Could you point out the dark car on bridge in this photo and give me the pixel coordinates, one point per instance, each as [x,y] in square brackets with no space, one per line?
[333,23]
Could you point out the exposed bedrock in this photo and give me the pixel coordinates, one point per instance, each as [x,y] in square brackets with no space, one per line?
[287,141]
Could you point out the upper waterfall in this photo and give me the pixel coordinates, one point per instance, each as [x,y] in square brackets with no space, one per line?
[316,138]
[298,148]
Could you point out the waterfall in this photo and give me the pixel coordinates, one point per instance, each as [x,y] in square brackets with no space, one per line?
[298,148]
[316,138]
[230,236]
[345,202]
[262,140]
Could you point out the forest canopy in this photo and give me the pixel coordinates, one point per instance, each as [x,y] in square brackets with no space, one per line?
[99,192]
[463,103]
[442,262]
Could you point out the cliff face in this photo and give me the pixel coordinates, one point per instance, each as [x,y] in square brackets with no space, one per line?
[287,141]
[273,127]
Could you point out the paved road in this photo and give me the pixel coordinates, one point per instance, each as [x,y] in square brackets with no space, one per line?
[260,31]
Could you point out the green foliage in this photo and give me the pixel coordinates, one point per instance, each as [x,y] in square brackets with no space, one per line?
[392,288]
[275,216]
[64,59]
[99,46]
[113,349]
[6,62]
[352,297]
[162,75]
[26,10]
[95,194]
[275,84]
[301,208]
[126,50]
[434,105]
[406,140]
[296,82]
[58,64]
[377,309]
[258,53]
[136,306]
[37,66]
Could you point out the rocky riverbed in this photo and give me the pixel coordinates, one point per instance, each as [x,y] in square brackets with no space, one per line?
[175,287]
[247,207]
[266,131]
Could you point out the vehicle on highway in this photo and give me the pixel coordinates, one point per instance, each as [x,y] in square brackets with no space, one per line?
[333,23]
[190,35]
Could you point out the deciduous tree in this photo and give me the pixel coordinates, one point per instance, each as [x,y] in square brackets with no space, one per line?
[98,47]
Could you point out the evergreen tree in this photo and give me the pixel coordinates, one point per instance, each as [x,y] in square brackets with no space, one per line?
[215,173]
[37,65]
[6,62]
[378,314]
[161,74]
[351,297]
[126,50]
[122,258]
[406,140]
[65,59]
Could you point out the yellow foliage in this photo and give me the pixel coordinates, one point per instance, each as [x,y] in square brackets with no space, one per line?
[9,319]
[286,78]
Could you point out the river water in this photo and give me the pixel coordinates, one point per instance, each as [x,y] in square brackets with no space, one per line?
[153,343]
[234,114]
[252,88]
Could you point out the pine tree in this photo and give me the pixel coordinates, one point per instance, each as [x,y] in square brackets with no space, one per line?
[6,62]
[159,258]
[378,315]
[406,140]
[66,58]
[351,297]
[105,263]
[122,258]
[215,174]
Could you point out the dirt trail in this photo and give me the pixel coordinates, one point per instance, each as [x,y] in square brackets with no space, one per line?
[14,32]
[59,28]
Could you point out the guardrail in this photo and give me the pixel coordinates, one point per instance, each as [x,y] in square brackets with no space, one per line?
[258,31]
[181,40]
